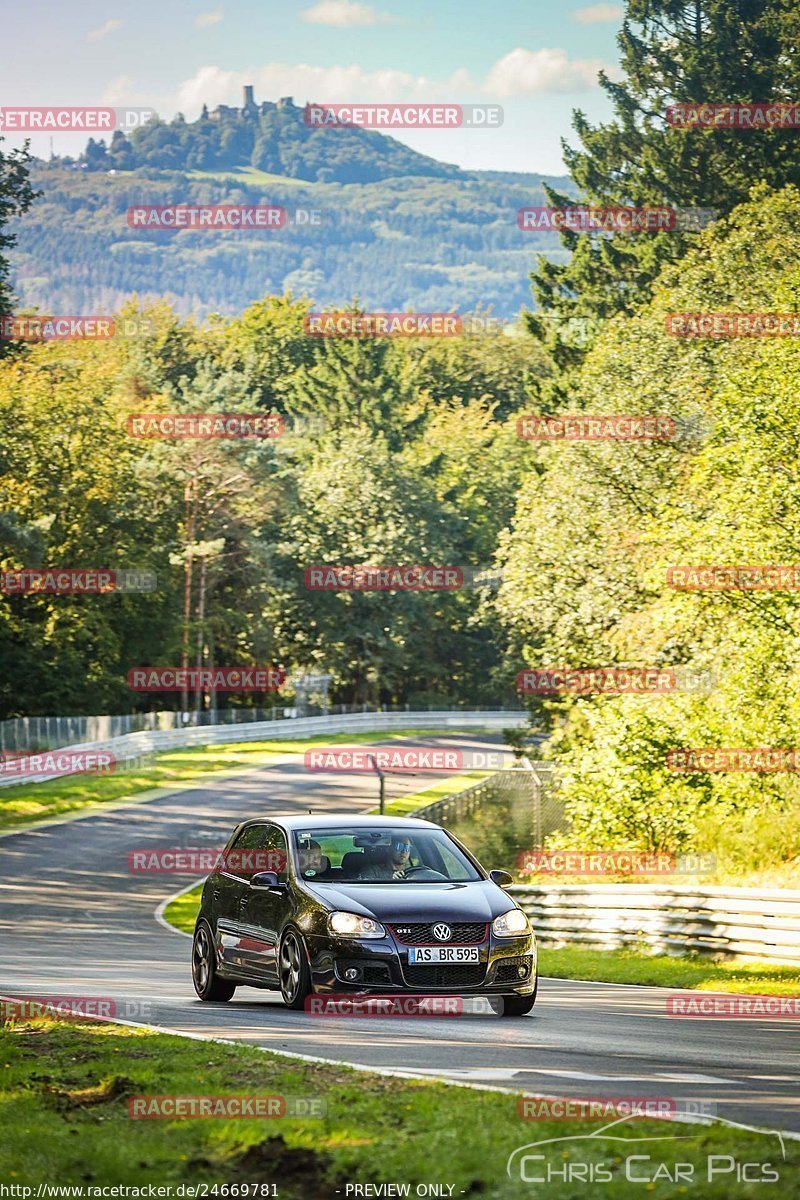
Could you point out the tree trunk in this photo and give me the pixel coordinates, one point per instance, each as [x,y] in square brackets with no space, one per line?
[187,588]
[201,612]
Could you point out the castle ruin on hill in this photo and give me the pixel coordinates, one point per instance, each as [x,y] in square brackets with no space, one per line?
[249,108]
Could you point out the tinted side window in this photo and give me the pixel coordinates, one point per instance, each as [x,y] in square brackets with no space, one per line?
[240,859]
[276,842]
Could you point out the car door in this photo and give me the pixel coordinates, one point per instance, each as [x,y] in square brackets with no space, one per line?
[262,912]
[234,877]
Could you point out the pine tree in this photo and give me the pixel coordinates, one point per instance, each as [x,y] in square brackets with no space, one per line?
[16,197]
[706,51]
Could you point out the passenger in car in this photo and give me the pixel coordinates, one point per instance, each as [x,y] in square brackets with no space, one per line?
[312,861]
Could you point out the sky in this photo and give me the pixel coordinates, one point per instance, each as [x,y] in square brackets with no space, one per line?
[537,59]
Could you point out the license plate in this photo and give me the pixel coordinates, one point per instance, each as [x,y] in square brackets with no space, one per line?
[443,954]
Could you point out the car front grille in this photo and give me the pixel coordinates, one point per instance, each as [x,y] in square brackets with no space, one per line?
[416,933]
[508,969]
[445,976]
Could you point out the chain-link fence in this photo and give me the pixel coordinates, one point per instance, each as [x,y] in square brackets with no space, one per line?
[505,815]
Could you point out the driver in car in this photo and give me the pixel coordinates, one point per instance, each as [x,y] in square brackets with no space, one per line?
[391,865]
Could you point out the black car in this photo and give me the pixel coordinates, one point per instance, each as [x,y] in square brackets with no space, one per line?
[360,905]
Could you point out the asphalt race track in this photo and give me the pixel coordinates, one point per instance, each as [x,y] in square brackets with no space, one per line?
[74,921]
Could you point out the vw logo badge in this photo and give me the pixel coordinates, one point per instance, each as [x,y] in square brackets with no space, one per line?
[442,933]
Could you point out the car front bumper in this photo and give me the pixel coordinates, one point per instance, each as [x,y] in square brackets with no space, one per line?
[505,966]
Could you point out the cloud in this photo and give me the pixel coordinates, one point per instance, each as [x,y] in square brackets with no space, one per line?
[104,30]
[344,13]
[204,20]
[596,14]
[123,91]
[520,73]
[213,85]
[537,72]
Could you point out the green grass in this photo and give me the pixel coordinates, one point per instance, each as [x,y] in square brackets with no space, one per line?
[689,971]
[406,806]
[27,803]
[65,1087]
[182,911]
[250,175]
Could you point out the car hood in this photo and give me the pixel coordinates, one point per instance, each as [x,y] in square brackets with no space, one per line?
[478,901]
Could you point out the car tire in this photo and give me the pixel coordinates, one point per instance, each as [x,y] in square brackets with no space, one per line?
[520,1006]
[207,983]
[293,970]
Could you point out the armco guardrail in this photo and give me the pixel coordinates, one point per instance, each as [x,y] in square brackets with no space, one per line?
[133,745]
[746,922]
[23,735]
[740,922]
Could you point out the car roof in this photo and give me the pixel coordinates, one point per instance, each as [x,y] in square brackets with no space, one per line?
[292,821]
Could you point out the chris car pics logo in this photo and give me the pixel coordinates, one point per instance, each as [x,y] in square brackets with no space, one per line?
[611,1154]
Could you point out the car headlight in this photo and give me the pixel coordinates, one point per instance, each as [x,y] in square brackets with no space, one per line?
[510,924]
[350,925]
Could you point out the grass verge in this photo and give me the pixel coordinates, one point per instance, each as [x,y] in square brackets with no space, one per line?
[662,970]
[406,806]
[30,802]
[65,1090]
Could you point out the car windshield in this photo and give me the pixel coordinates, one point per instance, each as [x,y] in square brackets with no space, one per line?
[364,855]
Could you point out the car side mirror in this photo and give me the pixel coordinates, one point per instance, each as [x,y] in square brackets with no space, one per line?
[263,881]
[501,878]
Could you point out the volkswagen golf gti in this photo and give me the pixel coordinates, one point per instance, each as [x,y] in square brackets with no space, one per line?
[322,904]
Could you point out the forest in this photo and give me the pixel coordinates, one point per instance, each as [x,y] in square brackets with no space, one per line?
[407,451]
